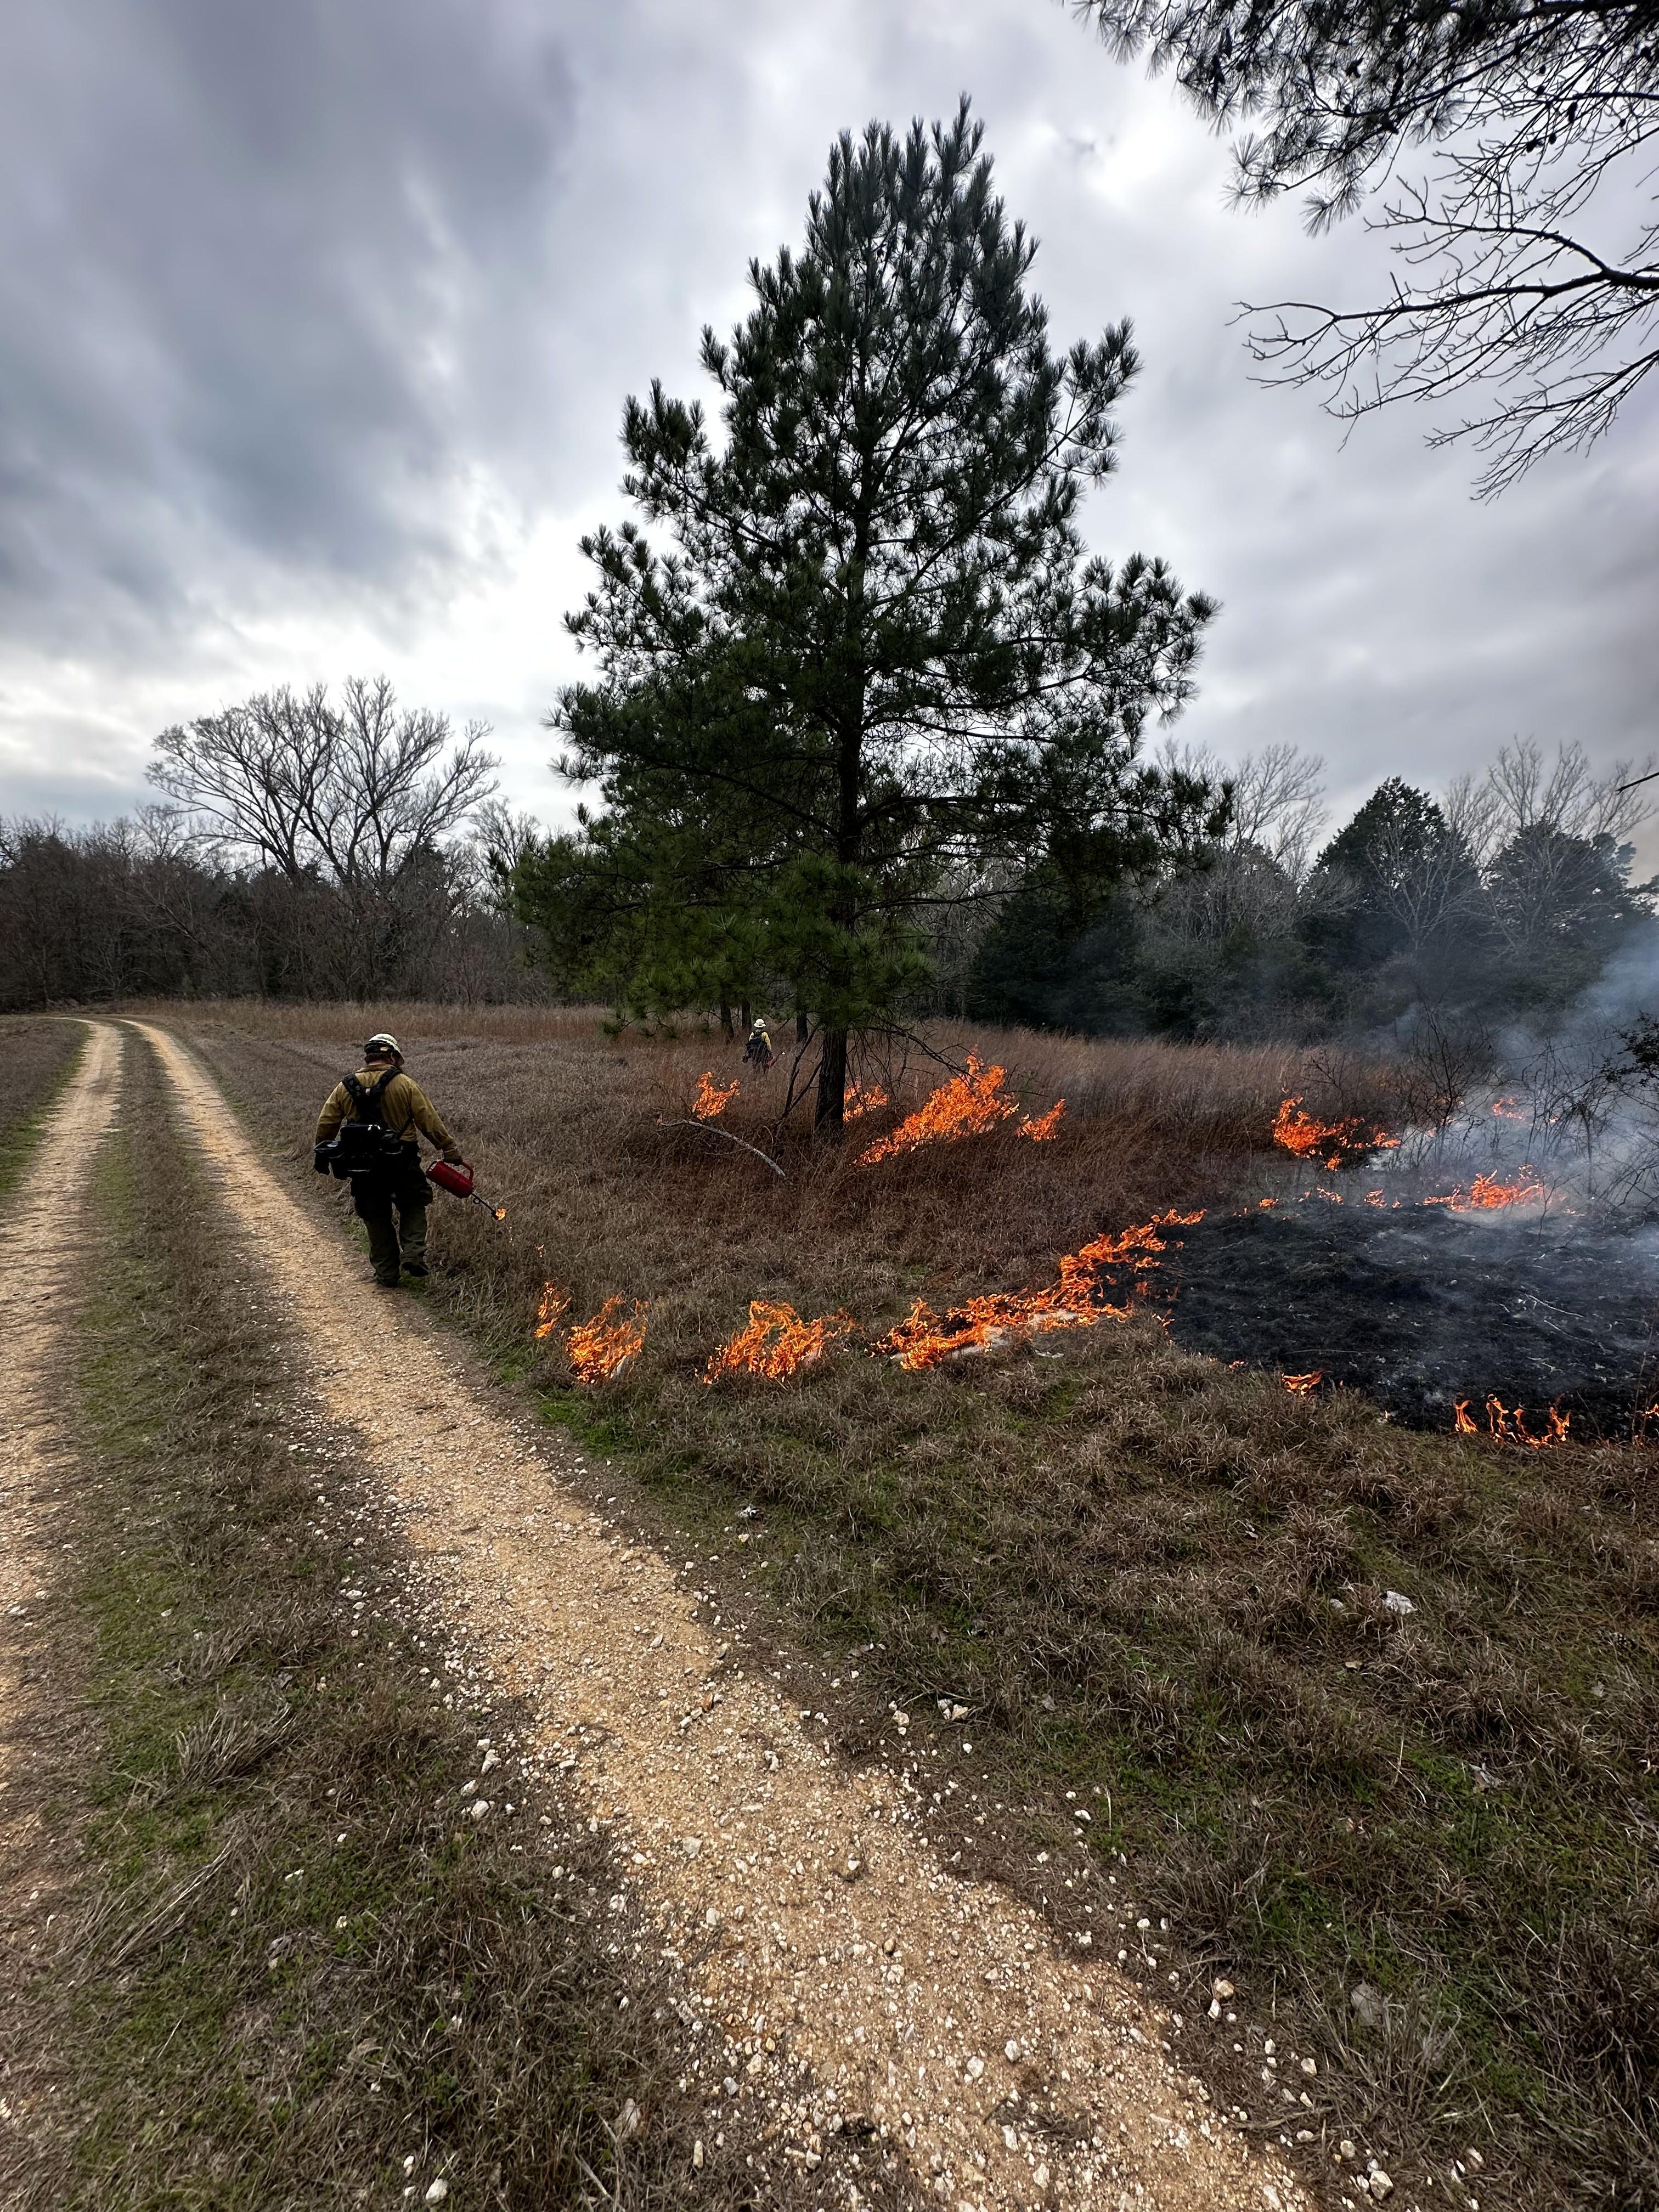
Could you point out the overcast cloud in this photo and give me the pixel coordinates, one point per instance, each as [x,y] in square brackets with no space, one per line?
[317,317]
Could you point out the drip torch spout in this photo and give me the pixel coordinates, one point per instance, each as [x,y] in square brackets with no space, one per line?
[456,1178]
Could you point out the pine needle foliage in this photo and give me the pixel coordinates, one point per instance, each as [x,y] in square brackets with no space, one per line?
[873,657]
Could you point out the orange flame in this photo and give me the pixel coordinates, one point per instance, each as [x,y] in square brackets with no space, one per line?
[603,1346]
[1507,1110]
[555,1304]
[1337,1144]
[1508,1425]
[777,1342]
[925,1337]
[1300,1385]
[967,1106]
[861,1101]
[710,1099]
[1043,1126]
[1486,1194]
[1135,1249]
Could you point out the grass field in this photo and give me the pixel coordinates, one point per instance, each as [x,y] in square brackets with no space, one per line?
[1152,1582]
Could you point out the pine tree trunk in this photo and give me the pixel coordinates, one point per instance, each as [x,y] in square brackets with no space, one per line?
[726,1030]
[746,1012]
[828,1120]
[803,1029]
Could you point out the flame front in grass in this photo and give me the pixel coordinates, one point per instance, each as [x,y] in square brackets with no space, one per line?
[555,1305]
[711,1099]
[1300,1385]
[1137,1249]
[1508,1109]
[1335,1144]
[777,1343]
[603,1346]
[967,1106]
[1487,1194]
[925,1337]
[1508,1425]
[861,1101]
[1042,1127]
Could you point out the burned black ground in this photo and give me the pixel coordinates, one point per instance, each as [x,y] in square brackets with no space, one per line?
[1423,1308]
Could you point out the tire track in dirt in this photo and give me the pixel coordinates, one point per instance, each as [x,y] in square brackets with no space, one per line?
[802,1900]
[46,1242]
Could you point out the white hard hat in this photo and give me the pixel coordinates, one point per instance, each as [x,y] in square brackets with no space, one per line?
[383,1040]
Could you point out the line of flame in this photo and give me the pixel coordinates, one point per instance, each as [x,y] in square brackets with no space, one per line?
[1508,1424]
[777,1342]
[861,1101]
[967,1106]
[1486,1194]
[555,1304]
[1335,1144]
[1300,1385]
[925,1337]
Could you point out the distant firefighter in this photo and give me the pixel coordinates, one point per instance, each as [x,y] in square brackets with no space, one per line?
[368,1135]
[758,1052]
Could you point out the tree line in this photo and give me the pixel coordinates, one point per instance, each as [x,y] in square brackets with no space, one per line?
[304,849]
[1501,901]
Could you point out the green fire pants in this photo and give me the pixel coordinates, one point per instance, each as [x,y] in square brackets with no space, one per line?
[399,1242]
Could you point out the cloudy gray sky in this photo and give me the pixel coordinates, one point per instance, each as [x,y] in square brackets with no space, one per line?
[317,317]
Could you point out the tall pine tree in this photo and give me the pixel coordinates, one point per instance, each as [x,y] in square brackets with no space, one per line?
[875,646]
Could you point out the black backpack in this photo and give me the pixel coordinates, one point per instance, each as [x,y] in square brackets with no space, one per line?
[363,1146]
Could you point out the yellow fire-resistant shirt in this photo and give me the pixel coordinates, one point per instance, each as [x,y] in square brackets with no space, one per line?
[406,1107]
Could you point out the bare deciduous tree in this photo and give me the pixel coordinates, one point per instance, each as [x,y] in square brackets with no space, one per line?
[1522,791]
[361,799]
[1529,254]
[1278,799]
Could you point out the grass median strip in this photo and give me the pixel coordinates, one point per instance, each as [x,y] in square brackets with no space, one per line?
[292,1971]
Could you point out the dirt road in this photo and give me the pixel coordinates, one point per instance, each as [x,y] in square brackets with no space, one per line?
[849,1978]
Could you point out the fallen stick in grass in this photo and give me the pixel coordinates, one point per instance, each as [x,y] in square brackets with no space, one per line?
[709,1130]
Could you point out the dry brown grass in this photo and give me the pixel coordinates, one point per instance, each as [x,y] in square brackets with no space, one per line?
[562,1121]
[1155,1583]
[35,1057]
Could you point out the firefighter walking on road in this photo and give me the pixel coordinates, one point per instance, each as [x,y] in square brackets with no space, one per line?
[368,1134]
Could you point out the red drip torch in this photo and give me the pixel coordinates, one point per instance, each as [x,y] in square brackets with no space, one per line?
[457,1180]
